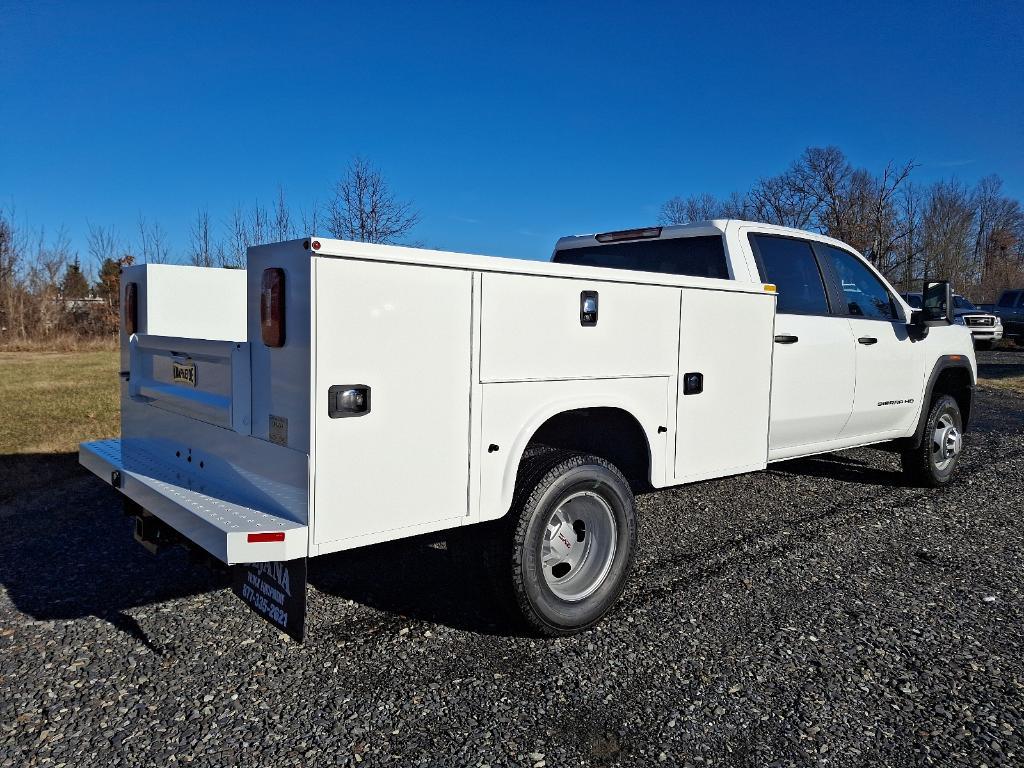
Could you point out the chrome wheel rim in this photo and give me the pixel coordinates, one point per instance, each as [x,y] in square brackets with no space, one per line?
[579,545]
[947,441]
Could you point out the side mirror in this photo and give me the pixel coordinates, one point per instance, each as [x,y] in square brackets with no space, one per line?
[937,301]
[918,326]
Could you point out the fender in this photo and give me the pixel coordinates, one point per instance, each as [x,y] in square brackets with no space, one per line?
[943,363]
[552,409]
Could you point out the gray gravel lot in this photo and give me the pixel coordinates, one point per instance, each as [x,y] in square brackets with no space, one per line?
[818,613]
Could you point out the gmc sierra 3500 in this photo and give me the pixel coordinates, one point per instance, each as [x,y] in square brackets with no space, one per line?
[338,394]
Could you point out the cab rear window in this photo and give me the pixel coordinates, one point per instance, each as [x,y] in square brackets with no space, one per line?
[702,256]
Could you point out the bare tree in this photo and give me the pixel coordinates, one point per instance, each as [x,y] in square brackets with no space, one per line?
[779,200]
[238,241]
[702,207]
[281,225]
[311,219]
[200,253]
[363,207]
[947,234]
[103,243]
[12,296]
[152,246]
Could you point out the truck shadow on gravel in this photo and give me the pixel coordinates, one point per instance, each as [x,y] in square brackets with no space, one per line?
[843,468]
[413,579]
[67,551]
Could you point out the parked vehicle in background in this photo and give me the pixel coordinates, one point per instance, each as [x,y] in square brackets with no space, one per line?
[1010,309]
[986,328]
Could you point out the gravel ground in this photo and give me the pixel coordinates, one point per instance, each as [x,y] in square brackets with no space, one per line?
[818,613]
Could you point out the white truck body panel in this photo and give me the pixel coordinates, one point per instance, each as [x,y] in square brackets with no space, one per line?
[465,358]
[404,331]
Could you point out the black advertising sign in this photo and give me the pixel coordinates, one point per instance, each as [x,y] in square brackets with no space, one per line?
[276,591]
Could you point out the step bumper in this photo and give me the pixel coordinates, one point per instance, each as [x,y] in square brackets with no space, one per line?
[232,532]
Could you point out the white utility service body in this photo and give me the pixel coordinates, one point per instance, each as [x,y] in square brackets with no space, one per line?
[452,364]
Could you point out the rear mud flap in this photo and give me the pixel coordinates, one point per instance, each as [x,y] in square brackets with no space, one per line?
[276,591]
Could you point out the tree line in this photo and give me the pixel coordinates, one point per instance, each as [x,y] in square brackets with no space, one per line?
[970,235]
[47,289]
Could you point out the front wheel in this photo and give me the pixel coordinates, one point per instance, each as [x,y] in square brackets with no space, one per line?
[573,537]
[932,463]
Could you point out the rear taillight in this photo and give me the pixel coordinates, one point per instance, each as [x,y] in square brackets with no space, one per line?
[272,307]
[131,308]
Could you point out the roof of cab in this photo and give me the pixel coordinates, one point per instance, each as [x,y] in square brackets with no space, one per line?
[697,228]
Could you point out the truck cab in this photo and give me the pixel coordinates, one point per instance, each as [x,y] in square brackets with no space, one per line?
[850,365]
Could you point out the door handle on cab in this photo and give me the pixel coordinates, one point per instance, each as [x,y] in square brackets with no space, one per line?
[785,338]
[869,340]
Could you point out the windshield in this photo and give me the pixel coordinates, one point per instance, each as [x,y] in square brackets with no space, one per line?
[961,303]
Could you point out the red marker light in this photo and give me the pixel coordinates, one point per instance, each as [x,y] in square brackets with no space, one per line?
[256,538]
[316,245]
[272,307]
[646,233]
[131,308]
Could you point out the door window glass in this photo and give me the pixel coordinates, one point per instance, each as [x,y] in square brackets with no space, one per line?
[791,266]
[1007,299]
[864,293]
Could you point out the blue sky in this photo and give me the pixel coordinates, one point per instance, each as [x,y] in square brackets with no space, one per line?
[507,125]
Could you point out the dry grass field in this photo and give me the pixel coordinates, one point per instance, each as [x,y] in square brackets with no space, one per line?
[51,401]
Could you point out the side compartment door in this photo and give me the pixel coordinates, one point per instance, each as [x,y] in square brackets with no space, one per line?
[723,384]
[889,363]
[813,372]
[404,332]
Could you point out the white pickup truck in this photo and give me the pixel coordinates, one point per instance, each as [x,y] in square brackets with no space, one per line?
[337,394]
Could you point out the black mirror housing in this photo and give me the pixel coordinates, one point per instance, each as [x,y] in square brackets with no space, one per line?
[917,327]
[937,301]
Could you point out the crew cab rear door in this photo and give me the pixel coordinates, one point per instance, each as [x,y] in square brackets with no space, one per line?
[813,359]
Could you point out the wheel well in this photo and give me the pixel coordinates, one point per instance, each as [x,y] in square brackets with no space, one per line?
[611,433]
[955,382]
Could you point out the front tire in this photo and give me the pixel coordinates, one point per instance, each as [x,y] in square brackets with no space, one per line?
[573,539]
[932,463]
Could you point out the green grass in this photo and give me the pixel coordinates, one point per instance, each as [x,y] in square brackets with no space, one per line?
[51,401]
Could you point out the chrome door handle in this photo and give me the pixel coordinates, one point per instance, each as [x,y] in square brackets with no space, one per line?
[785,338]
[869,340]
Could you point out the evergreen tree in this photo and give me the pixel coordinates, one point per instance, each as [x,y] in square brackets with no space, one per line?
[74,285]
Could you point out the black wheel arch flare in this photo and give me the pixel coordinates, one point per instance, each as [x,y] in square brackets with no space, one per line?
[942,364]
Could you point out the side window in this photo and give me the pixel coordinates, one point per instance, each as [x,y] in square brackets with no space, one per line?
[1020,299]
[791,266]
[914,300]
[865,294]
[1008,299]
